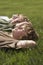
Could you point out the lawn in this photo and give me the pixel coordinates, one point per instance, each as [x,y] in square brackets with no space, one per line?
[33,9]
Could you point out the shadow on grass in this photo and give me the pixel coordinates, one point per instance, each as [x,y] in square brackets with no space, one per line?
[13,49]
[17,50]
[6,50]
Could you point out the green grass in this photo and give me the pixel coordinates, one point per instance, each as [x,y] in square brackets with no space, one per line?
[33,9]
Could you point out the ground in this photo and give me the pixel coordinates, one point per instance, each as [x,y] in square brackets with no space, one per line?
[33,9]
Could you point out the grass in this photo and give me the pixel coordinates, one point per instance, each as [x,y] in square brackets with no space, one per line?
[33,9]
